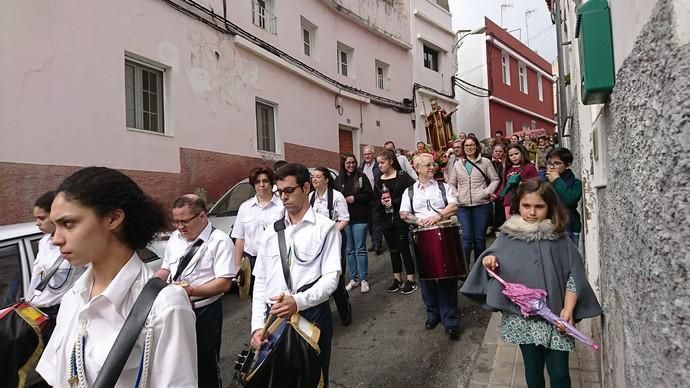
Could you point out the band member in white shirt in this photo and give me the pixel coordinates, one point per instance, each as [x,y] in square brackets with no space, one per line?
[101,218]
[329,202]
[47,259]
[255,215]
[199,257]
[428,206]
[314,264]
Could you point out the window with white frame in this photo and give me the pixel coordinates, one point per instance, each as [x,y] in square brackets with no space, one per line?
[540,87]
[265,126]
[345,55]
[263,15]
[534,124]
[308,37]
[522,72]
[382,77]
[505,68]
[509,127]
[430,58]
[144,96]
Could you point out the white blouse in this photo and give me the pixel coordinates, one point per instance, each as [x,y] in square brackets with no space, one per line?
[171,323]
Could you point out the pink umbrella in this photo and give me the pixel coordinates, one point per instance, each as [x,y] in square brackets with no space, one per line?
[532,301]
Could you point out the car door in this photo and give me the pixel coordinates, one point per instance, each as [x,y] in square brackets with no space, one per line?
[15,271]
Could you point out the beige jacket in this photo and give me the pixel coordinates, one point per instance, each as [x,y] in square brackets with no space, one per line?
[471,188]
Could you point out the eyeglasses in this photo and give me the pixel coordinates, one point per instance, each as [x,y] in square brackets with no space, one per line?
[470,146]
[287,190]
[179,223]
[554,164]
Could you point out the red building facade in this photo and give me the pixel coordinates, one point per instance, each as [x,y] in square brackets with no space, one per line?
[520,83]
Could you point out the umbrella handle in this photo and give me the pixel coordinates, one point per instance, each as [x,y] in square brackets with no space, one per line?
[495,276]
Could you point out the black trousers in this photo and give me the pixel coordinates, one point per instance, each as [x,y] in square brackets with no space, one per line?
[398,242]
[556,362]
[321,316]
[340,295]
[209,325]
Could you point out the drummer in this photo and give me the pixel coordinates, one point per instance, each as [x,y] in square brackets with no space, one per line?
[429,207]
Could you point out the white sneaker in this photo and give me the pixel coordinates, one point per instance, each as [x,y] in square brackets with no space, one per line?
[365,287]
[353,284]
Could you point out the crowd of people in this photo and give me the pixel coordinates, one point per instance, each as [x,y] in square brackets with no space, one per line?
[305,235]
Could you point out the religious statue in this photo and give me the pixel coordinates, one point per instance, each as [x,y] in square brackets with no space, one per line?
[438,126]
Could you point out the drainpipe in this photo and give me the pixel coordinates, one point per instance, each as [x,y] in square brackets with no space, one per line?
[562,107]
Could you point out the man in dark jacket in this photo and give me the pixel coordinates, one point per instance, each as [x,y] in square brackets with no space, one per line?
[371,169]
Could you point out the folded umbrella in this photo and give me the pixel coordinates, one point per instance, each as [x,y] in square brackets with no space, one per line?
[532,301]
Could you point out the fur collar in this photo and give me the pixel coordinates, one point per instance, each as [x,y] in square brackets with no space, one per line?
[517,228]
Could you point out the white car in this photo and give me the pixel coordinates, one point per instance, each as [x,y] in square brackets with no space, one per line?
[18,249]
[223,214]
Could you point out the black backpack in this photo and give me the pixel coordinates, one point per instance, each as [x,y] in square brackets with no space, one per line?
[329,197]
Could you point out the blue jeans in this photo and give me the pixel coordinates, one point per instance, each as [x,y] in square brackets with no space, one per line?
[356,251]
[474,221]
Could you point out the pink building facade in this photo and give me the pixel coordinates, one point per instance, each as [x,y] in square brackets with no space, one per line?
[187,96]
[518,82]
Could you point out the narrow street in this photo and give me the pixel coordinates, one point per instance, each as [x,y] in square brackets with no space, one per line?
[386,345]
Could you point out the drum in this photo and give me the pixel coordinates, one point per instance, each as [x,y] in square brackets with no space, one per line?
[439,252]
[23,334]
[290,358]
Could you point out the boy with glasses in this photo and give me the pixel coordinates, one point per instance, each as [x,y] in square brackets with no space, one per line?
[568,188]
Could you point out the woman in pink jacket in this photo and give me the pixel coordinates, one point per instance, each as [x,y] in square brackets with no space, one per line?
[518,169]
[475,179]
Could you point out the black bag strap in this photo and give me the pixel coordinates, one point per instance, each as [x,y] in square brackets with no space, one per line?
[329,197]
[124,343]
[487,181]
[184,262]
[410,193]
[44,282]
[279,227]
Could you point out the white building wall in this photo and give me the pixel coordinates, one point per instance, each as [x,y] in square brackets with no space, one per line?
[473,111]
[63,88]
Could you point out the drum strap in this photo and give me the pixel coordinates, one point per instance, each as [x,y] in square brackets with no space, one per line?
[124,343]
[279,227]
[184,261]
[410,193]
[44,282]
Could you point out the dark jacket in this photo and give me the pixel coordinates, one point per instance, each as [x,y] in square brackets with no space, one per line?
[358,186]
[399,184]
[533,255]
[569,190]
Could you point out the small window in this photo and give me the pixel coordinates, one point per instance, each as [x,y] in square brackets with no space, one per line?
[534,124]
[540,87]
[430,58]
[143,96]
[263,15]
[265,127]
[523,78]
[308,37]
[11,284]
[345,54]
[382,78]
[505,68]
[509,127]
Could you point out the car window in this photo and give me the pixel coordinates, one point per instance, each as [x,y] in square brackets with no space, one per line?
[230,204]
[34,245]
[11,285]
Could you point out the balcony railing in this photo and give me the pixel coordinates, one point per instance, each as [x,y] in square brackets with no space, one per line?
[263,18]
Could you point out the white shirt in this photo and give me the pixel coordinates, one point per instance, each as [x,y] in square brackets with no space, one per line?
[173,347]
[64,278]
[368,170]
[339,205]
[252,220]
[427,192]
[212,260]
[405,164]
[314,253]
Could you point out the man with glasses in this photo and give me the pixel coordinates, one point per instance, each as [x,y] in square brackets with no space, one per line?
[199,258]
[313,262]
[371,169]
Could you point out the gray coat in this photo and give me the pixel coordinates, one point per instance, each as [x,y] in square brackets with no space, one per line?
[532,254]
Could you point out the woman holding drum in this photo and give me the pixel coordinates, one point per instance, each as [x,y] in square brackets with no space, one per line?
[428,203]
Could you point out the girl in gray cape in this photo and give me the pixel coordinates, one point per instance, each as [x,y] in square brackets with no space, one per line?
[533,248]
